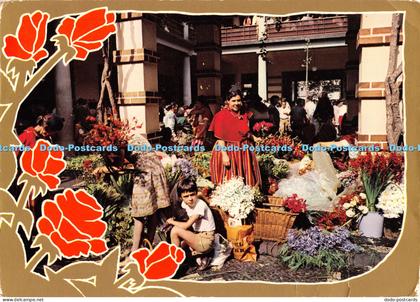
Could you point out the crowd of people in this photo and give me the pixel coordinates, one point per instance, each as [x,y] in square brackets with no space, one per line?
[231,126]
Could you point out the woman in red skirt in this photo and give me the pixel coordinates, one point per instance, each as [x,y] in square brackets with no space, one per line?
[231,154]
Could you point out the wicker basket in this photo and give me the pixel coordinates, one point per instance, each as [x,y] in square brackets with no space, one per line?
[274,202]
[273,224]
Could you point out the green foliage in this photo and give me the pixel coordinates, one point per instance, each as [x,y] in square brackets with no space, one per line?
[120,229]
[201,161]
[75,164]
[112,197]
[272,167]
[331,260]
[172,176]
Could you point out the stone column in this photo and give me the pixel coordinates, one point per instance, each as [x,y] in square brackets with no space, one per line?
[187,80]
[262,78]
[352,67]
[136,60]
[373,43]
[64,103]
[209,53]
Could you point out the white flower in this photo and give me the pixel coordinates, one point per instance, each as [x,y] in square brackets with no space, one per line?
[392,201]
[346,205]
[353,202]
[204,183]
[168,161]
[234,197]
[363,209]
[350,213]
[362,195]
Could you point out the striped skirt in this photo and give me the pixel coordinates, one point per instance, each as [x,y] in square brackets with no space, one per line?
[243,163]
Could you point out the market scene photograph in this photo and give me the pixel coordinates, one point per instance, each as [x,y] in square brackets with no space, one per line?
[208,147]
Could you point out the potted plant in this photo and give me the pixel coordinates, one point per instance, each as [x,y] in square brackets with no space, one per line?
[377,171]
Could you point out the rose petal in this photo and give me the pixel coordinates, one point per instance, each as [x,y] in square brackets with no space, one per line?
[89,45]
[66,28]
[81,53]
[88,22]
[52,212]
[70,249]
[87,199]
[54,166]
[69,232]
[74,210]
[40,157]
[42,33]
[36,18]
[44,226]
[99,34]
[38,56]
[110,18]
[14,49]
[179,256]
[140,256]
[27,34]
[26,162]
[98,246]
[160,252]
[161,269]
[51,180]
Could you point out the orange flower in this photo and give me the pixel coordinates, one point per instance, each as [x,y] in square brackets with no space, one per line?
[30,37]
[44,164]
[87,32]
[73,223]
[161,263]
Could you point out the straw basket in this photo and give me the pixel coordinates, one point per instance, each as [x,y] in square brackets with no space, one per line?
[273,224]
[274,202]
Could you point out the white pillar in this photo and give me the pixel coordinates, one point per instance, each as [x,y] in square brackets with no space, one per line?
[64,103]
[187,80]
[262,78]
[186,30]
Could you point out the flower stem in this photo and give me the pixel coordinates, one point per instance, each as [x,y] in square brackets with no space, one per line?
[24,195]
[35,259]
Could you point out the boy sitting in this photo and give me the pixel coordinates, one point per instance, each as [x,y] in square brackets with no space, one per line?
[200,219]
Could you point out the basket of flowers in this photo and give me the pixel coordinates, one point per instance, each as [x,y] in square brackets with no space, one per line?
[273,224]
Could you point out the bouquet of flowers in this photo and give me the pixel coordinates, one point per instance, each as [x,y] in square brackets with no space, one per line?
[392,201]
[354,205]
[116,133]
[377,171]
[295,204]
[350,207]
[234,197]
[262,129]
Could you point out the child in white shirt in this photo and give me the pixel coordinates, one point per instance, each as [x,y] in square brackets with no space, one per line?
[200,219]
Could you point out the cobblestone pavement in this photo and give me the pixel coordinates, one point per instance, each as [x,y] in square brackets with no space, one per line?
[271,269]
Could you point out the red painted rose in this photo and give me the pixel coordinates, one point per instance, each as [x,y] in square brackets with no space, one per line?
[161,263]
[30,38]
[73,223]
[44,164]
[87,32]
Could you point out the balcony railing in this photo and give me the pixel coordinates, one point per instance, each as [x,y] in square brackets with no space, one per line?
[286,30]
[237,35]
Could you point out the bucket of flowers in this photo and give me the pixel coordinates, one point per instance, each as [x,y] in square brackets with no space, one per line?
[377,171]
[274,223]
[235,201]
